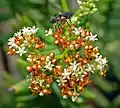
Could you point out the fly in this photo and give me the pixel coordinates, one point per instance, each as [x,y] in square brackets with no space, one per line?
[61,17]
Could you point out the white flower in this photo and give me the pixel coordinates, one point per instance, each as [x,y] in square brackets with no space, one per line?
[17,34]
[49,32]
[66,74]
[34,30]
[76,46]
[41,94]
[98,58]
[65,97]
[100,67]
[21,51]
[61,81]
[25,31]
[102,61]
[74,98]
[93,37]
[13,46]
[58,80]
[49,66]
[11,40]
[29,30]
[47,58]
[71,46]
[11,43]
[90,68]
[77,31]
[74,67]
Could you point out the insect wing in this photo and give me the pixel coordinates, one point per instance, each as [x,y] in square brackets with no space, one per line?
[67,14]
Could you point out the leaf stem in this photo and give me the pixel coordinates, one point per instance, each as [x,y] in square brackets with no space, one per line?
[63,54]
[64,5]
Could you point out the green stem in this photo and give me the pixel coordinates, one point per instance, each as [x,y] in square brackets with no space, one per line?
[63,54]
[64,5]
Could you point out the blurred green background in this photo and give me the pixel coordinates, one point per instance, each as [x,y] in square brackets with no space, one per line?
[103,93]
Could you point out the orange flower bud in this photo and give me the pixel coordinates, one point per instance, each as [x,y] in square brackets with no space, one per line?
[52,54]
[11,51]
[29,68]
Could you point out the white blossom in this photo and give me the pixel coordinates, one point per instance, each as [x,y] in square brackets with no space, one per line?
[93,37]
[66,74]
[71,47]
[74,67]
[90,68]
[21,51]
[77,31]
[104,61]
[13,46]
[65,97]
[11,43]
[33,30]
[98,58]
[61,81]
[47,58]
[100,67]
[27,31]
[49,66]
[41,94]
[11,40]
[74,98]
[49,32]
[101,62]
[18,34]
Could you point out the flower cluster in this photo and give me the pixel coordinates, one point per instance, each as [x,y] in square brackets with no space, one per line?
[86,7]
[78,60]
[24,40]
[71,69]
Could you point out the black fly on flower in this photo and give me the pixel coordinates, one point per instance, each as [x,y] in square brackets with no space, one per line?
[62,16]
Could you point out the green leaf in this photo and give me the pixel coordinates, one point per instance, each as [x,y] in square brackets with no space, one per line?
[9,79]
[88,94]
[35,14]
[5,11]
[25,98]
[27,21]
[100,99]
[104,84]
[37,1]
[86,106]
[21,88]
[21,66]
[56,89]
[116,101]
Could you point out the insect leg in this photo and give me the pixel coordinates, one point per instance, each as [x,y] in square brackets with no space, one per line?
[68,23]
[56,8]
